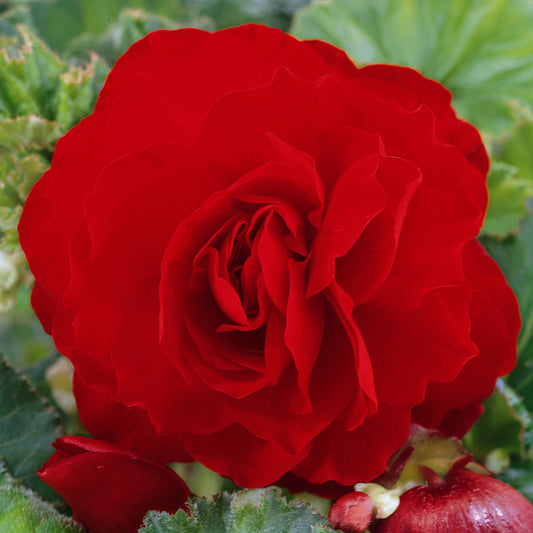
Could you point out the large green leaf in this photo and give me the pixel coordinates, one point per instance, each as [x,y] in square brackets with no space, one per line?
[22,511]
[28,425]
[254,511]
[482,50]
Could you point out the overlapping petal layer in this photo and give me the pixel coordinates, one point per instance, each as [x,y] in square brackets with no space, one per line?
[261,257]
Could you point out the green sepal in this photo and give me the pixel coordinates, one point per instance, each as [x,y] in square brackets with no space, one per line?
[28,426]
[253,511]
[482,50]
[22,511]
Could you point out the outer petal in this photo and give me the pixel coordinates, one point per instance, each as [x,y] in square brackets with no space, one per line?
[410,347]
[129,427]
[495,326]
[109,489]
[409,88]
[359,455]
[251,462]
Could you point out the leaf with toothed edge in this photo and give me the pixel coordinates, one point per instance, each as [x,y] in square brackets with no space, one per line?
[28,426]
[22,511]
[252,511]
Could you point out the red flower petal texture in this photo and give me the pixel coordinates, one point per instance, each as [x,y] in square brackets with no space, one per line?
[263,258]
[109,488]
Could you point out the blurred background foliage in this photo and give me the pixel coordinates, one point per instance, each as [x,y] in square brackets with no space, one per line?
[55,55]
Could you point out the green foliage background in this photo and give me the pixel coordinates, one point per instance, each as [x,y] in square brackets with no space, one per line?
[54,56]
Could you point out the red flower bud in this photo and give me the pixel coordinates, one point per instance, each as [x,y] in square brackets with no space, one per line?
[110,489]
[352,513]
[466,501]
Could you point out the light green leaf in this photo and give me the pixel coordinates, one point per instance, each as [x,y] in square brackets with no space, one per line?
[23,133]
[254,511]
[35,81]
[22,511]
[28,425]
[482,50]
[507,205]
[517,150]
[78,89]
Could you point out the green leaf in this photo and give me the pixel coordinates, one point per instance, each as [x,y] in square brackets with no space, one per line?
[131,25]
[516,150]
[254,511]
[507,205]
[502,426]
[482,50]
[22,511]
[35,81]
[22,133]
[520,476]
[75,17]
[28,425]
[79,87]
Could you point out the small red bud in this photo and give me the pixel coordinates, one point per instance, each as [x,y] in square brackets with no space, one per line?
[352,513]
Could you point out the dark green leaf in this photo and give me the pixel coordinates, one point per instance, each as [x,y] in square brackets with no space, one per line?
[482,50]
[22,511]
[520,476]
[502,426]
[28,425]
[254,511]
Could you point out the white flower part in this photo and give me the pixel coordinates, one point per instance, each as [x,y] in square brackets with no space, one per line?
[386,501]
[9,279]
[9,274]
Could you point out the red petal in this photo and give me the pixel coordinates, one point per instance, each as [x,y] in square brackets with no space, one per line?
[109,489]
[45,305]
[130,427]
[399,339]
[495,325]
[365,267]
[275,413]
[155,52]
[359,455]
[356,199]
[251,462]
[147,189]
[408,87]
[429,255]
[43,243]
[172,404]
